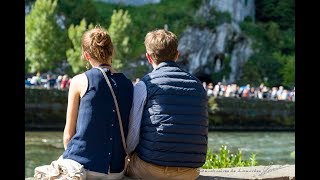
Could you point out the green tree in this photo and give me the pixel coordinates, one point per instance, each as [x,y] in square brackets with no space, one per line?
[279,40]
[44,39]
[262,67]
[120,21]
[250,74]
[273,33]
[288,70]
[73,54]
[265,65]
[282,12]
[74,11]
[287,45]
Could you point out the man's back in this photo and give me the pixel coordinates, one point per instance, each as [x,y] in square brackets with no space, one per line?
[174,125]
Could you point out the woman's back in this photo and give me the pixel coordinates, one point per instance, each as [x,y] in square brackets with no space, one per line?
[97,142]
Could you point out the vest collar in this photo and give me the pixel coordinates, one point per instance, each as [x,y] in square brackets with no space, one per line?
[166,63]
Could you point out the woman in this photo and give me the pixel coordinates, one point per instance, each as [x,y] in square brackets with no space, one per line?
[91,137]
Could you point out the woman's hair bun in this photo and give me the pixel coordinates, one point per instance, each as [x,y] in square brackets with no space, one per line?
[100,38]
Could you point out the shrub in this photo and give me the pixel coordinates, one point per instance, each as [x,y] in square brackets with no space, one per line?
[225,159]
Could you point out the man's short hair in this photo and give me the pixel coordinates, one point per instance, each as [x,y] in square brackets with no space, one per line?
[161,45]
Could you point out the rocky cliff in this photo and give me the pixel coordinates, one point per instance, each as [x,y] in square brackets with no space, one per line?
[207,50]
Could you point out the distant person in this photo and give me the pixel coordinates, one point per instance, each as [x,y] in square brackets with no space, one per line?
[273,95]
[58,82]
[210,89]
[91,136]
[265,92]
[64,84]
[279,92]
[136,81]
[204,84]
[36,79]
[228,91]
[292,94]
[168,129]
[51,81]
[217,89]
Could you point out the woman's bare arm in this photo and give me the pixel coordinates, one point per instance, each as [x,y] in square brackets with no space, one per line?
[77,88]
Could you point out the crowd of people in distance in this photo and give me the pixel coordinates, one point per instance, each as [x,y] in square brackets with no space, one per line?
[48,81]
[248,91]
[62,82]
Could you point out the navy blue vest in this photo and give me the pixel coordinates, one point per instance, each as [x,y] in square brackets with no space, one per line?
[174,125]
[97,143]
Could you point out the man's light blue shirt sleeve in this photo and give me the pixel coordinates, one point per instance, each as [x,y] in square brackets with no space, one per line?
[139,99]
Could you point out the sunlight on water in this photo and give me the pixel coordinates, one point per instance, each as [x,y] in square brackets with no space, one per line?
[271,147]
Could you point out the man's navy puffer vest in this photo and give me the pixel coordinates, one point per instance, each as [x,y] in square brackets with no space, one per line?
[97,144]
[174,125]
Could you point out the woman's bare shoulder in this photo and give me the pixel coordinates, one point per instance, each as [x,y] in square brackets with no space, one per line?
[79,80]
[79,77]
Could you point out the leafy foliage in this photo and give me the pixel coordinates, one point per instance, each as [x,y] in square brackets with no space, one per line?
[282,12]
[225,159]
[288,70]
[177,14]
[73,54]
[140,71]
[75,11]
[44,39]
[273,58]
[120,21]
[262,67]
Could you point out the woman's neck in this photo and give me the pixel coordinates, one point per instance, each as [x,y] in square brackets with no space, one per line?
[98,64]
[104,65]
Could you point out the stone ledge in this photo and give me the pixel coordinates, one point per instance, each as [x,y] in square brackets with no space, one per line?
[272,172]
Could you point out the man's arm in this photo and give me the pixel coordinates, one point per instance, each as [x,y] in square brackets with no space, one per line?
[139,98]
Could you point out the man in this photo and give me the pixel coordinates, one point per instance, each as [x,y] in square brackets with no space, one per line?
[168,124]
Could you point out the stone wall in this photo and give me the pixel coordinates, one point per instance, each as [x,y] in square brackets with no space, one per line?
[251,114]
[46,110]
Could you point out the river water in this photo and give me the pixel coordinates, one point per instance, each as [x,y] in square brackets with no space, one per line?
[270,147]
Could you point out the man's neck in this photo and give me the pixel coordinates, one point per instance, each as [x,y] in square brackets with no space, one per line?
[154,65]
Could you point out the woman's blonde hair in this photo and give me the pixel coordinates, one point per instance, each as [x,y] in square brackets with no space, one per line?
[161,45]
[97,43]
